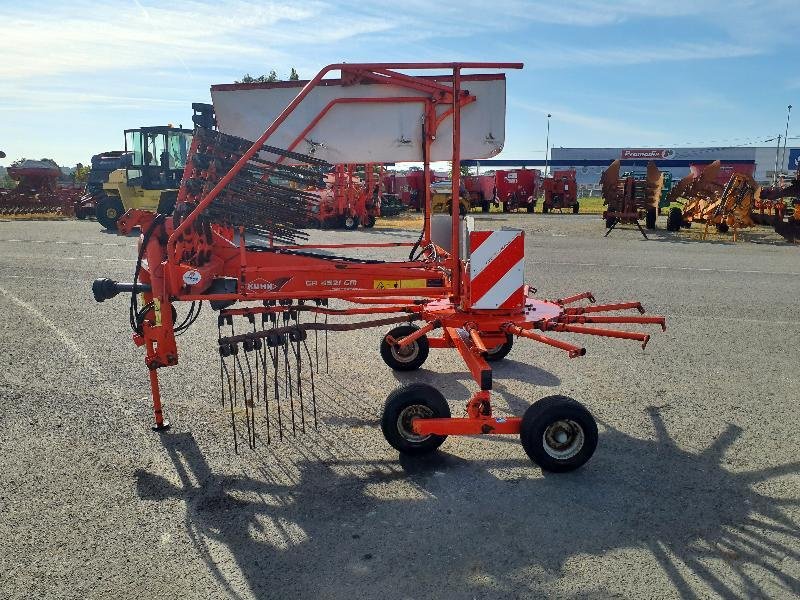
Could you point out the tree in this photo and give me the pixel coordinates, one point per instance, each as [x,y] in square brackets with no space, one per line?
[7,183]
[464,170]
[272,77]
[81,173]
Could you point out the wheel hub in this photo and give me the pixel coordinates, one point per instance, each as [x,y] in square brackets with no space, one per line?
[563,439]
[405,354]
[404,426]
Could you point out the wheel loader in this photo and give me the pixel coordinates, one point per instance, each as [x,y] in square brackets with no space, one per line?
[151,177]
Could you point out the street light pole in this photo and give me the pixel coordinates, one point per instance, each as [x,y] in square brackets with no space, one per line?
[786,136]
[547,146]
[777,155]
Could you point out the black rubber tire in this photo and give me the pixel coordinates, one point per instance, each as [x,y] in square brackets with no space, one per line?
[650,219]
[425,401]
[674,219]
[610,221]
[108,209]
[500,352]
[545,208]
[462,210]
[369,222]
[418,351]
[576,208]
[536,425]
[81,214]
[722,227]
[349,222]
[484,206]
[531,208]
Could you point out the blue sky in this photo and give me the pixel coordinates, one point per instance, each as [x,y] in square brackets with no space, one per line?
[633,73]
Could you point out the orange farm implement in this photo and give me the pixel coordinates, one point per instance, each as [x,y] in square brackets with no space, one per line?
[464,291]
[705,200]
[630,199]
[38,191]
[773,202]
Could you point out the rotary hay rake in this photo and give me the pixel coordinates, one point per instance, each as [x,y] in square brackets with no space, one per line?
[465,289]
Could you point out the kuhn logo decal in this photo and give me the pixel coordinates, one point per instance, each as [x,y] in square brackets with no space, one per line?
[261,285]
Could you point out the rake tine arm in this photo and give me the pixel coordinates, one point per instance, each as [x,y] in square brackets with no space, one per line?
[413,337]
[615,333]
[617,319]
[579,310]
[319,326]
[572,299]
[257,310]
[574,351]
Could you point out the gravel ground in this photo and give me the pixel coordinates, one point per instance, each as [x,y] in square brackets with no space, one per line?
[694,490]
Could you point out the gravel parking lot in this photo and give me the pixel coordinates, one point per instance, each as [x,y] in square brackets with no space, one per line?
[694,490]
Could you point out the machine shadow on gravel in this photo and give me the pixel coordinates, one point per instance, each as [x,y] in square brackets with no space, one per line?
[471,527]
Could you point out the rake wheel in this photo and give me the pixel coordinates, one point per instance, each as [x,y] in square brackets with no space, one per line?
[500,352]
[415,401]
[558,433]
[409,358]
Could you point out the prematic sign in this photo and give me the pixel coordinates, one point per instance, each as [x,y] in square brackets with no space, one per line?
[647,154]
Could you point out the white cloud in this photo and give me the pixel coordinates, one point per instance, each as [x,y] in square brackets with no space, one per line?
[86,37]
[586,121]
[589,55]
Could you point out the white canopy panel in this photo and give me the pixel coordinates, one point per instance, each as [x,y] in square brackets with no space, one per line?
[372,132]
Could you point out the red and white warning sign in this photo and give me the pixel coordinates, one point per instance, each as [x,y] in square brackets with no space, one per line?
[497,269]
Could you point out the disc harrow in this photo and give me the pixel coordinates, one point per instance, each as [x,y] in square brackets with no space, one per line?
[706,201]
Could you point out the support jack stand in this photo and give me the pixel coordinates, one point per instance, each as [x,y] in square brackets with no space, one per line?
[635,222]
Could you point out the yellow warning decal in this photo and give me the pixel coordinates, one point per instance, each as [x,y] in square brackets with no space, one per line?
[157,311]
[396,284]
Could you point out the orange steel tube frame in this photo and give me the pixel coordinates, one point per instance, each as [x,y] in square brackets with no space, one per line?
[484,328]
[344,68]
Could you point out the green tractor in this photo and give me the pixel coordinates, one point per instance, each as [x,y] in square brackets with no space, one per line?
[151,176]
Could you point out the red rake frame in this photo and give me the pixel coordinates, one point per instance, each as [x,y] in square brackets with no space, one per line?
[182,264]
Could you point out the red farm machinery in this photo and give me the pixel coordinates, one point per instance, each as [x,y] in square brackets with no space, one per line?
[459,288]
[629,198]
[408,187]
[481,191]
[561,192]
[778,206]
[352,196]
[517,189]
[39,190]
